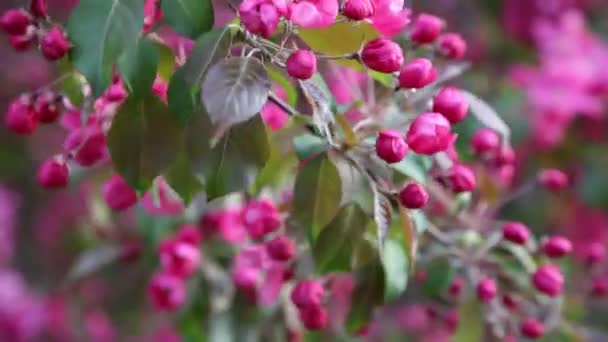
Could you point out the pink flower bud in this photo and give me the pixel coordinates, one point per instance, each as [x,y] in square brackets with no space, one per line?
[116,92]
[38,8]
[417,74]
[450,103]
[553,179]
[189,233]
[485,141]
[260,218]
[359,9]
[456,286]
[599,287]
[15,22]
[461,178]
[557,246]
[486,290]
[506,156]
[246,279]
[390,146]
[413,196]
[54,44]
[178,257]
[21,117]
[515,232]
[22,42]
[595,253]
[452,319]
[308,293]
[166,292]
[532,328]
[118,194]
[259,17]
[47,107]
[452,46]
[281,248]
[549,280]
[301,64]
[53,173]
[426,28]
[510,302]
[314,318]
[87,146]
[382,55]
[429,134]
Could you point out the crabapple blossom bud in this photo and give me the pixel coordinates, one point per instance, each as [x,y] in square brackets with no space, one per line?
[450,103]
[167,292]
[452,319]
[599,287]
[189,234]
[53,173]
[456,286]
[505,156]
[313,318]
[38,8]
[15,22]
[118,194]
[553,179]
[22,42]
[461,178]
[595,252]
[308,293]
[413,196]
[179,257]
[261,217]
[246,279]
[549,280]
[515,232]
[88,145]
[429,133]
[281,248]
[301,64]
[486,290]
[532,328]
[116,92]
[359,9]
[484,141]
[21,117]
[452,46]
[510,302]
[382,55]
[390,146]
[259,17]
[426,28]
[557,246]
[46,107]
[54,44]
[417,74]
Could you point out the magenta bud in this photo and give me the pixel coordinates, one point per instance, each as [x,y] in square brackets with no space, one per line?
[314,318]
[38,8]
[179,258]
[259,17]
[485,141]
[557,246]
[281,248]
[549,280]
[382,55]
[510,302]
[452,46]
[450,103]
[486,290]
[246,279]
[118,194]
[166,292]
[390,146]
[429,133]
[21,116]
[307,294]
[261,217]
[599,287]
[22,42]
[47,107]
[54,44]
[426,28]
[301,64]
[461,178]
[553,179]
[413,196]
[15,22]
[189,233]
[456,287]
[87,146]
[515,232]
[417,74]
[53,173]
[595,253]
[532,328]
[359,9]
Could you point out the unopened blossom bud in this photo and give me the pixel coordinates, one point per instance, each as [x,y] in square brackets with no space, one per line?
[532,328]
[54,44]
[452,319]
[485,141]
[38,8]
[595,253]
[549,280]
[456,286]
[429,133]
[426,28]
[47,107]
[599,287]
[510,302]
[22,42]
[261,217]
[88,146]
[452,46]
[179,258]
[461,178]
[505,156]
[557,246]
[301,64]
[417,74]
[21,117]
[553,179]
[116,92]
[259,17]
[515,232]
[189,233]
[53,173]
[450,103]
[118,194]
[313,318]
[486,290]
[246,279]
[307,294]
[15,22]
[382,55]
[359,9]
[281,248]
[390,146]
[166,292]
[413,196]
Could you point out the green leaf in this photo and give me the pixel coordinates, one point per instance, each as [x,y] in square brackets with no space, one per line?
[439,275]
[340,39]
[383,215]
[387,80]
[181,179]
[138,67]
[276,169]
[181,97]
[487,115]
[410,235]
[235,90]
[317,194]
[471,323]
[280,78]
[100,32]
[334,247]
[395,263]
[413,166]
[143,141]
[190,18]
[72,83]
[367,295]
[166,63]
[307,145]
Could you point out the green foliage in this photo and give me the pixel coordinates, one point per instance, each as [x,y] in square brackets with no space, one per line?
[439,274]
[368,294]
[138,67]
[190,18]
[395,264]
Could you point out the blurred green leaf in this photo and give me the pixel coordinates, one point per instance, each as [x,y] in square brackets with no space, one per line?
[138,66]
[166,63]
[439,275]
[413,166]
[395,263]
[190,18]
[367,295]
[278,77]
[470,326]
[307,145]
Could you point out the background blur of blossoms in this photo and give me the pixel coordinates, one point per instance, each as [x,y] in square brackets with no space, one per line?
[542,63]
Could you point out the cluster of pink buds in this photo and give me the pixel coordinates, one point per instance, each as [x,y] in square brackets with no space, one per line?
[308,297]
[26,28]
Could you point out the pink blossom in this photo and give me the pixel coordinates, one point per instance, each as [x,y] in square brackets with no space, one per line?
[313,13]
[169,203]
[391,17]
[272,114]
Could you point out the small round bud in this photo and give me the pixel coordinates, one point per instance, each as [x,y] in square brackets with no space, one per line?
[417,74]
[15,22]
[461,178]
[261,217]
[595,253]
[54,44]
[557,246]
[456,287]
[308,293]
[485,141]
[22,42]
[314,318]
[450,103]
[359,9]
[53,173]
[510,302]
[246,279]
[390,146]
[429,133]
[599,287]
[486,290]
[452,46]
[21,117]
[166,292]
[301,64]
[47,107]
[413,196]
[38,8]
[549,280]
[281,248]
[382,55]
[515,232]
[553,179]
[87,146]
[179,258]
[189,233]
[532,328]
[426,28]
[118,194]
